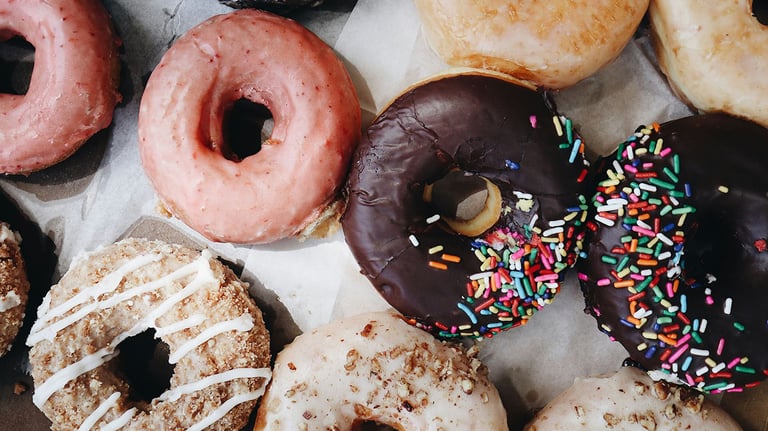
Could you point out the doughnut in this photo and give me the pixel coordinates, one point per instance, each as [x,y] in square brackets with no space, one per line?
[712,55]
[630,400]
[286,187]
[553,45]
[466,203]
[214,332]
[73,89]
[375,368]
[14,287]
[677,258]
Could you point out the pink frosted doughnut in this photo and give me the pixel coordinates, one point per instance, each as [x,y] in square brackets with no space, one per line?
[73,89]
[284,187]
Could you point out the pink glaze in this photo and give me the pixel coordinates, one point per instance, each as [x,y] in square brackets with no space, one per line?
[269,60]
[73,89]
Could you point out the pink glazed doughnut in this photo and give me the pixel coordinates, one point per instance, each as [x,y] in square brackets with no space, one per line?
[73,89]
[288,184]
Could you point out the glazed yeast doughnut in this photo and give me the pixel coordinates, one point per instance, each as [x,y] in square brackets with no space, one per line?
[196,305]
[677,259]
[73,89]
[552,44]
[14,287]
[630,400]
[465,203]
[295,176]
[376,368]
[712,55]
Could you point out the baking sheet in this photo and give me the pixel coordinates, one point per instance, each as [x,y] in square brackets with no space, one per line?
[102,194]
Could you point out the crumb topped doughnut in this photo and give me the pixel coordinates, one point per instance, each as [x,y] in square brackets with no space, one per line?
[290,185]
[553,44]
[630,400]
[14,287]
[713,54]
[678,262]
[375,368]
[466,203]
[73,89]
[196,305]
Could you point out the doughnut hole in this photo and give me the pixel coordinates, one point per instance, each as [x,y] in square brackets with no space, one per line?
[143,363]
[760,11]
[371,426]
[17,58]
[243,121]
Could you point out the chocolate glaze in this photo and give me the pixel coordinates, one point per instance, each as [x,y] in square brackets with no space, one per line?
[476,123]
[722,249]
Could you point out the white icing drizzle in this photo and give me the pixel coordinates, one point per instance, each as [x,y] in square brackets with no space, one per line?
[121,421]
[90,362]
[225,408]
[100,411]
[6,234]
[181,325]
[242,323]
[174,394]
[10,300]
[108,284]
[60,378]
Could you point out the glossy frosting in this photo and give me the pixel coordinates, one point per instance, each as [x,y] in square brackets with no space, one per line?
[677,264]
[487,126]
[73,88]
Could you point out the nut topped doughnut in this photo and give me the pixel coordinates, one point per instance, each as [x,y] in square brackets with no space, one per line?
[552,44]
[375,368]
[465,203]
[14,287]
[214,332]
[73,89]
[678,257]
[713,54]
[310,95]
[630,400]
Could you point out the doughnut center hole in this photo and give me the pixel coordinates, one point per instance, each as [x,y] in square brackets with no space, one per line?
[247,125]
[17,59]
[760,11]
[371,426]
[143,363]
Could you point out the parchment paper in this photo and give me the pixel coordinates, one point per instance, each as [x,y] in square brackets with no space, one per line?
[102,193]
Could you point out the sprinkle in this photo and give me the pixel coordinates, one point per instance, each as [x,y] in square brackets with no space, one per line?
[451,258]
[436,249]
[738,326]
[558,127]
[722,189]
[533,121]
[511,165]
[433,219]
[720,346]
[728,305]
[413,240]
[438,265]
[468,312]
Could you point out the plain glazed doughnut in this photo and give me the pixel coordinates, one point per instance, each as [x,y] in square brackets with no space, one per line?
[678,262]
[286,187]
[73,89]
[14,287]
[458,135]
[713,55]
[552,44]
[376,368]
[196,305]
[630,400]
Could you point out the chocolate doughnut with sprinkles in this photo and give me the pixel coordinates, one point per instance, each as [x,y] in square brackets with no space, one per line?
[466,203]
[677,263]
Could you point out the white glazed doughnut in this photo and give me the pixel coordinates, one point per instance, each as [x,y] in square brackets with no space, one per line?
[553,44]
[377,368]
[713,54]
[73,89]
[214,332]
[283,189]
[630,400]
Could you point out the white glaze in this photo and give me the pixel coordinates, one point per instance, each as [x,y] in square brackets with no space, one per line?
[226,407]
[99,412]
[243,323]
[237,373]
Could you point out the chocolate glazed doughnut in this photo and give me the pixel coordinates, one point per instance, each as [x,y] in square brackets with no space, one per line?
[434,150]
[677,263]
